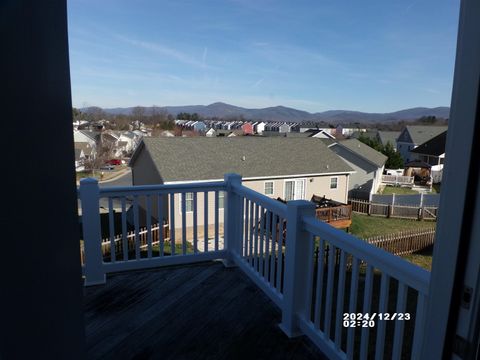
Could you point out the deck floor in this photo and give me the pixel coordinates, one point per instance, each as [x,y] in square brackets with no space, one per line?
[202,311]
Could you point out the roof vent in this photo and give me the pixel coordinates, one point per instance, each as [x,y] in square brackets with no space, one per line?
[243,158]
[328,166]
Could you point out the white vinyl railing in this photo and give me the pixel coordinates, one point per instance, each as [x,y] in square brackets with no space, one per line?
[321,278]
[398,179]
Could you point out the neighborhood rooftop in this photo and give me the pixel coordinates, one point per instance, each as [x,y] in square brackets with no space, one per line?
[420,134]
[182,159]
[365,151]
[434,146]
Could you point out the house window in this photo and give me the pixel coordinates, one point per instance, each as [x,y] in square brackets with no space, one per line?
[295,189]
[333,183]
[221,199]
[188,202]
[268,190]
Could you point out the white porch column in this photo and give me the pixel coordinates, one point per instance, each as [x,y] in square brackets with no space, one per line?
[233,217]
[296,258]
[89,195]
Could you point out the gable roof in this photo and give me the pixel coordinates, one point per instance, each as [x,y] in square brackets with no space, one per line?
[84,146]
[201,158]
[364,151]
[435,146]
[420,134]
[388,137]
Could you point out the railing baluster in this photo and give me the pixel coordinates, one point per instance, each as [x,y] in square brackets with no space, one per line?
[111,228]
[367,303]
[136,223]
[255,244]
[273,254]
[261,269]
[399,324]
[161,238]
[250,226]
[280,254]
[319,284]
[352,306]
[149,226]
[268,223]
[241,226]
[172,224]
[216,220]
[308,299]
[340,301]
[419,326]
[329,294]
[184,222]
[205,221]
[195,225]
[124,230]
[245,235]
[382,309]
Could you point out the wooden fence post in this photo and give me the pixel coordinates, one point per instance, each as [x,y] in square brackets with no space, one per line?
[297,256]
[92,237]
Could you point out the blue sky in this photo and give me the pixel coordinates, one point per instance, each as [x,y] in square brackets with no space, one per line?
[376,56]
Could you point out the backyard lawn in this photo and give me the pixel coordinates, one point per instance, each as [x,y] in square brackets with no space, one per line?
[388,190]
[364,226]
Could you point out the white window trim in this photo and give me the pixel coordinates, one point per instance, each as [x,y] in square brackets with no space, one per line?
[295,179]
[330,185]
[180,203]
[273,188]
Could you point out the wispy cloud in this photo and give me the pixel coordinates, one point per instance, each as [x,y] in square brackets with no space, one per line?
[164,50]
[257,83]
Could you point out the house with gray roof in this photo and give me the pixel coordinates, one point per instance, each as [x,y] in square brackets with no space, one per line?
[413,136]
[385,137]
[287,168]
[367,163]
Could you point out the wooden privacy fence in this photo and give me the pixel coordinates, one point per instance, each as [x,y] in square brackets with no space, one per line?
[130,235]
[394,210]
[401,243]
[404,242]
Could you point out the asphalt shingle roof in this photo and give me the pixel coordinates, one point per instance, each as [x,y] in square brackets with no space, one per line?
[421,134]
[202,158]
[389,136]
[435,146]
[364,151]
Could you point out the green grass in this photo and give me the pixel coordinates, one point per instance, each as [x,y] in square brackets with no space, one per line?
[388,190]
[364,226]
[422,258]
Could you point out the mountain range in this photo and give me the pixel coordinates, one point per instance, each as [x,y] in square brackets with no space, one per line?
[282,113]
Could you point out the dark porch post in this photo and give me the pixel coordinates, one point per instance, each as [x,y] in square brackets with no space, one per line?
[41,289]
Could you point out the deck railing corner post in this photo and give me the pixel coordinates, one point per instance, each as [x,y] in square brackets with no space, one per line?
[296,256]
[89,196]
[232,217]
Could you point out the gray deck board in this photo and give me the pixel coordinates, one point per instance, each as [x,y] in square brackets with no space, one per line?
[201,311]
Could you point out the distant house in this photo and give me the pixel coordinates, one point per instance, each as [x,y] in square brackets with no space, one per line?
[432,152]
[322,134]
[284,128]
[91,137]
[210,133]
[385,137]
[367,163]
[277,167]
[259,128]
[413,136]
[86,149]
[167,133]
[199,126]
[247,128]
[79,159]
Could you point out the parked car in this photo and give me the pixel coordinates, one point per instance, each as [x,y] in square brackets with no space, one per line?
[114,162]
[107,167]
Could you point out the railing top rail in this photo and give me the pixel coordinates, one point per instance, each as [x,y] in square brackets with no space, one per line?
[412,275]
[161,188]
[277,207]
